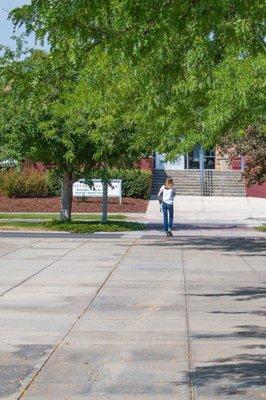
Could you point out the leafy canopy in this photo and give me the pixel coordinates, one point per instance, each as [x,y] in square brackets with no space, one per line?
[65,114]
[199,63]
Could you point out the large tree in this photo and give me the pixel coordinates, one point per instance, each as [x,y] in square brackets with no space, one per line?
[199,62]
[71,116]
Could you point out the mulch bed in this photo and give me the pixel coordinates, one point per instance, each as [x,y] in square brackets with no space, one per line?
[52,204]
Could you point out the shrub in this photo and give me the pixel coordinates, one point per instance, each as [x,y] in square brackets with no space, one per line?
[30,183]
[53,182]
[26,183]
[1,182]
[136,182]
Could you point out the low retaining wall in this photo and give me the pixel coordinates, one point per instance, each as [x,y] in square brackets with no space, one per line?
[257,190]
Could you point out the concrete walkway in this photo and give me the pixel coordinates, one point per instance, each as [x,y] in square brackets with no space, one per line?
[134,317]
[199,209]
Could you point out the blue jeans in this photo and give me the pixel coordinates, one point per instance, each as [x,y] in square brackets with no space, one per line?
[168,216]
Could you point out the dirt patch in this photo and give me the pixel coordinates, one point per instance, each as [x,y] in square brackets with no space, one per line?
[52,204]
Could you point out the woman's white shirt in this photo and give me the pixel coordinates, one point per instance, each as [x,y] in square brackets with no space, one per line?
[167,195]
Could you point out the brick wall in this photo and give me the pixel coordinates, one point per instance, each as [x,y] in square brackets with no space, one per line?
[257,191]
[147,164]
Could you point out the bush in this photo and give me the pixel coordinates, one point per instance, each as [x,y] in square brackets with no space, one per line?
[54,183]
[27,183]
[136,183]
[30,183]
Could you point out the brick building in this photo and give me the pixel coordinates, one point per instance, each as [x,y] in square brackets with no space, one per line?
[207,172]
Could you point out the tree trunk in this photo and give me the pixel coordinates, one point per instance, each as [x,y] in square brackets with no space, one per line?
[105,201]
[66,197]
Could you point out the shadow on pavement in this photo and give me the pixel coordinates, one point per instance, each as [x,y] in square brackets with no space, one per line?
[235,376]
[248,246]
[238,375]
[195,227]
[243,293]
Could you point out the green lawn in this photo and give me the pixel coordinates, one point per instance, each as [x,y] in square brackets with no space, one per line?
[261,228]
[74,226]
[20,225]
[50,216]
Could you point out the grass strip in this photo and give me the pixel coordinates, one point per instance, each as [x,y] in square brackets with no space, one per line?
[73,226]
[50,216]
[20,225]
[261,228]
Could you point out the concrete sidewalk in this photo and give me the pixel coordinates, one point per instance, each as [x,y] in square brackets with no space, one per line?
[132,318]
[199,209]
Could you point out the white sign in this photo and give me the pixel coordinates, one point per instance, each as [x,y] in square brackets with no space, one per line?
[81,189]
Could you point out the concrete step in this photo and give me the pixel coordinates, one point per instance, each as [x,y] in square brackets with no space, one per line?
[188,182]
[224,183]
[239,194]
[156,179]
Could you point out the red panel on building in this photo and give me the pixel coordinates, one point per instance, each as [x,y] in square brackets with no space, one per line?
[257,190]
[236,163]
[147,163]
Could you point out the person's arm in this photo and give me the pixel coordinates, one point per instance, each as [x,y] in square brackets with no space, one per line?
[160,194]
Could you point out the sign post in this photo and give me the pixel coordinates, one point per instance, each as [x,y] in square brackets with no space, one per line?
[201,167]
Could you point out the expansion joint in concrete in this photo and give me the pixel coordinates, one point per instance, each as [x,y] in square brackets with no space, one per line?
[19,248]
[61,341]
[40,270]
[189,347]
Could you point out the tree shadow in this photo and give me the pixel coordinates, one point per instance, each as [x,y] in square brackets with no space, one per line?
[241,332]
[240,294]
[247,246]
[260,313]
[197,226]
[237,375]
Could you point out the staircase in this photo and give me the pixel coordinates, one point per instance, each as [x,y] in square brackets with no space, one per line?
[187,182]
[228,183]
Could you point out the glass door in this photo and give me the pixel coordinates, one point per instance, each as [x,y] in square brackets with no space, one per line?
[209,159]
[192,159]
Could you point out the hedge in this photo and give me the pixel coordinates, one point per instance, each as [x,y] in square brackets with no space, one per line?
[26,183]
[30,183]
[136,182]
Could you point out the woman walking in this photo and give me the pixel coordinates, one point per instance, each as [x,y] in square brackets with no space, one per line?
[166,198]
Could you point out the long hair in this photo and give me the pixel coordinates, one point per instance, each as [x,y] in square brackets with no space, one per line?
[169,183]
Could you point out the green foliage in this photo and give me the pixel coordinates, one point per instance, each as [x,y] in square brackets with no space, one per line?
[136,183]
[30,183]
[198,66]
[93,226]
[30,127]
[251,145]
[68,113]
[72,116]
[54,183]
[74,226]
[25,183]
[237,97]
[261,228]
